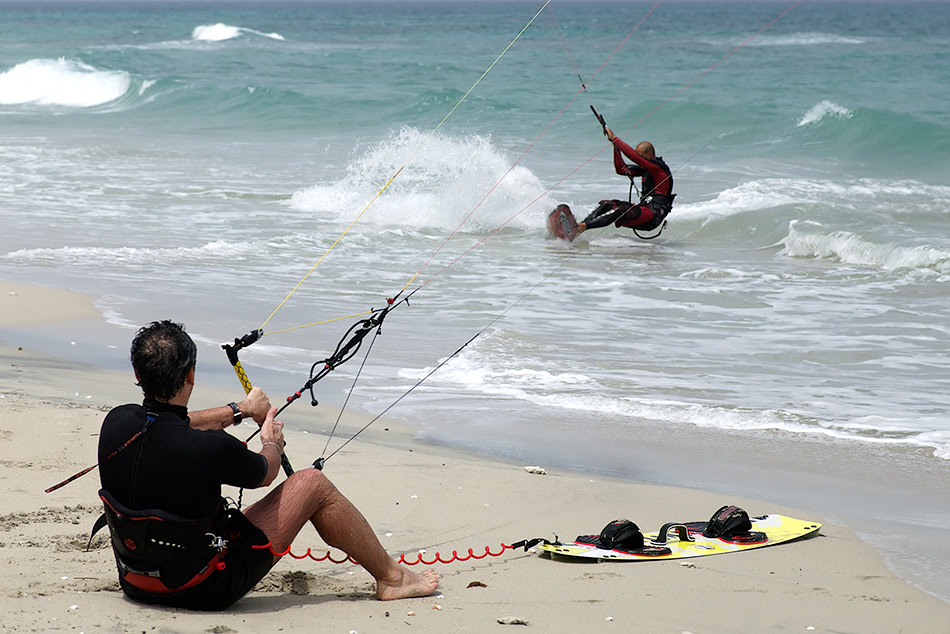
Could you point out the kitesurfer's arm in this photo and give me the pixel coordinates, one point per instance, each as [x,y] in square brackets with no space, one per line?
[630,153]
[254,406]
[620,165]
[659,176]
[272,444]
[625,169]
[621,149]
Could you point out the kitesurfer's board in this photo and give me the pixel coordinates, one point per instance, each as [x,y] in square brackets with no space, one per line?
[561,223]
[767,530]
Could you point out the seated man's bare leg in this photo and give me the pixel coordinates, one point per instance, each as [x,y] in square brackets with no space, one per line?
[309,495]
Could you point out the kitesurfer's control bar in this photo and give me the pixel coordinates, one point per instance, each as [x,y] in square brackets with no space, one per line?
[600,118]
[232,352]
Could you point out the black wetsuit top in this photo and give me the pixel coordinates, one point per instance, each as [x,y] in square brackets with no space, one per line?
[172,467]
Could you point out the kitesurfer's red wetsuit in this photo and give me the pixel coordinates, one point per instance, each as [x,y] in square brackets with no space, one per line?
[655,202]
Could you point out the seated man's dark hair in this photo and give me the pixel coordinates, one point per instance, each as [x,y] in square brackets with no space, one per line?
[162,353]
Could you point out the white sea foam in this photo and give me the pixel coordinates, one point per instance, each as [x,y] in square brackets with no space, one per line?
[61,82]
[825,110]
[764,193]
[714,273]
[759,194]
[865,193]
[116,256]
[854,249]
[805,39]
[440,182]
[475,372]
[471,371]
[220,32]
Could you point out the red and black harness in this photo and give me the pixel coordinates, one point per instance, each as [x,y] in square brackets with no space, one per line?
[157,551]
[161,552]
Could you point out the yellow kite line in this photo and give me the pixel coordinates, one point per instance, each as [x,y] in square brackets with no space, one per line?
[393,177]
[319,323]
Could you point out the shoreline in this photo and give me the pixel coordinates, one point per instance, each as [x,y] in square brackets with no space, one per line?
[418,495]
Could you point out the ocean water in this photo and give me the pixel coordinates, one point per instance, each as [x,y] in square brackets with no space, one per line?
[235,166]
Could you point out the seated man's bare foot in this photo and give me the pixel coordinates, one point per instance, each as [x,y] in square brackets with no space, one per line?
[410,584]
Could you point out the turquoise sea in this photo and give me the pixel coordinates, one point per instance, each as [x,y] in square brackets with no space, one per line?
[785,338]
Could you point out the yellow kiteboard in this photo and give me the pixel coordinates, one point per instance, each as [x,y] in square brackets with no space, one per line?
[682,540]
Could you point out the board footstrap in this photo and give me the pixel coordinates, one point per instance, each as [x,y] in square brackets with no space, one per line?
[682,532]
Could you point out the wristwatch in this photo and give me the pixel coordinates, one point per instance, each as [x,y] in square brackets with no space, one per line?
[238,416]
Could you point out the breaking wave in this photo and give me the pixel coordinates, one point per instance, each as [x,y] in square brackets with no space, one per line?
[823,110]
[220,32]
[61,82]
[854,249]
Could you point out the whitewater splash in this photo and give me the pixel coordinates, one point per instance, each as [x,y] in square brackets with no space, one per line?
[440,182]
[61,82]
[823,110]
[220,32]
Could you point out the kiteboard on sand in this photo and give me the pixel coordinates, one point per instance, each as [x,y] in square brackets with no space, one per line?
[562,224]
[729,530]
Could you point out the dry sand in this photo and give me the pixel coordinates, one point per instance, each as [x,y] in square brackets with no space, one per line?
[416,497]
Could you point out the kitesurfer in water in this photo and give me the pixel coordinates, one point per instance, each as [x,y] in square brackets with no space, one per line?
[656,200]
[175,541]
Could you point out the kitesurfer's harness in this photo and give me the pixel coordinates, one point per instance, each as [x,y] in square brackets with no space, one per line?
[157,551]
[661,205]
[160,552]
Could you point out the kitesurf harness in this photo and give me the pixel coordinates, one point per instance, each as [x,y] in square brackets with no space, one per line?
[660,204]
[160,552]
[157,551]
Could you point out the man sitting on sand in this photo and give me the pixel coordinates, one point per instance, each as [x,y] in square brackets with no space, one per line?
[175,541]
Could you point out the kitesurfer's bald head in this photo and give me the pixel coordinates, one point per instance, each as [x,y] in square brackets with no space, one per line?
[645,148]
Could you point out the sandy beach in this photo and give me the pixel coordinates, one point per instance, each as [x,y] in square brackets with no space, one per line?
[417,497]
